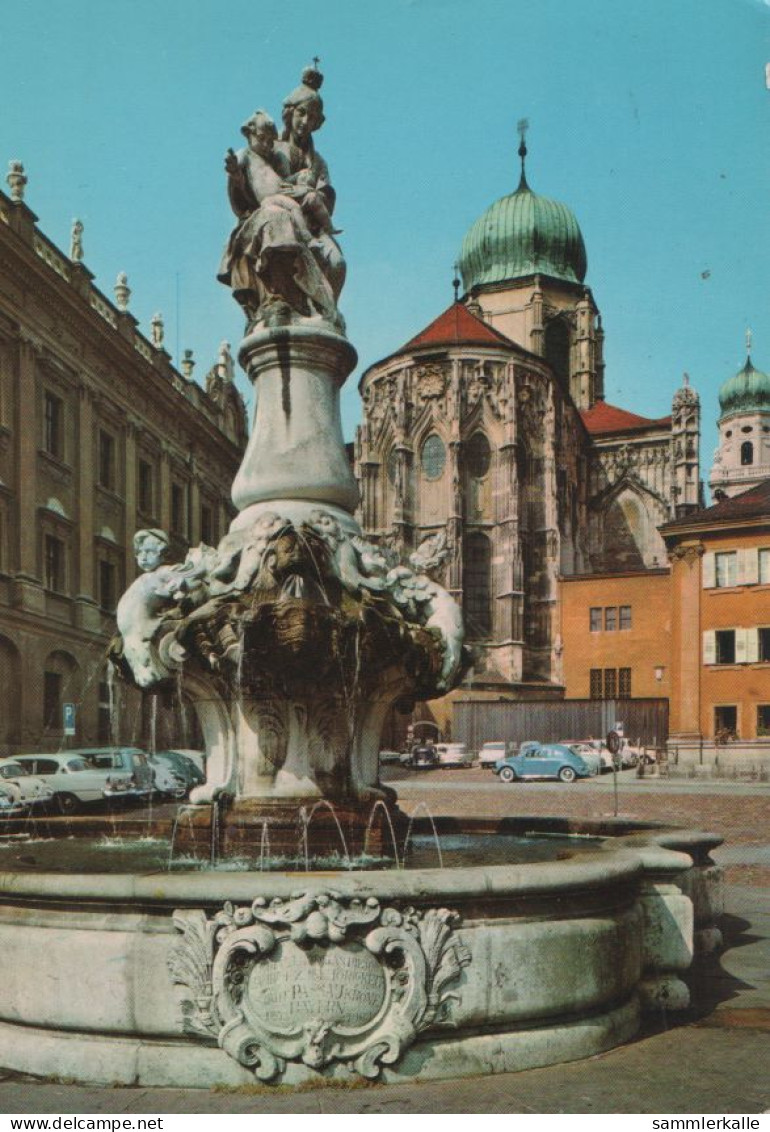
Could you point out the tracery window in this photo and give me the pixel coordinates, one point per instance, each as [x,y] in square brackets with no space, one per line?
[477,585]
[478,455]
[433,457]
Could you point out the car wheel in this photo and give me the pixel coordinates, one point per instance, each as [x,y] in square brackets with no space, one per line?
[567,774]
[67,803]
[507,774]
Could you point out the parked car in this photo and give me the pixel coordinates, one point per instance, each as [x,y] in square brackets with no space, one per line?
[423,756]
[593,751]
[491,752]
[8,808]
[543,760]
[196,757]
[129,774]
[388,756]
[453,754]
[26,791]
[73,779]
[175,773]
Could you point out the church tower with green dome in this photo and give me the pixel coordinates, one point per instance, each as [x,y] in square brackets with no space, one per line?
[523,264]
[742,458]
[487,434]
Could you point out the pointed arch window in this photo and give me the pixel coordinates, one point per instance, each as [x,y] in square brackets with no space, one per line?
[477,585]
[478,455]
[557,348]
[433,457]
[747,454]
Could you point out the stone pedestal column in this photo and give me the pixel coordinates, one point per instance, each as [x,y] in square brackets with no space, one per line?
[296,451]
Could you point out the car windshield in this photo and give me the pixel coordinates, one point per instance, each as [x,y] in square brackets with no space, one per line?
[12,770]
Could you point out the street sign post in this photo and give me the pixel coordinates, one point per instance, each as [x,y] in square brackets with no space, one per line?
[68,714]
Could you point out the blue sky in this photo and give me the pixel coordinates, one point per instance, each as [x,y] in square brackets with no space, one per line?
[648,119]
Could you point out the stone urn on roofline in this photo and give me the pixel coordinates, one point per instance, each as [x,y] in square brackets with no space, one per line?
[295,636]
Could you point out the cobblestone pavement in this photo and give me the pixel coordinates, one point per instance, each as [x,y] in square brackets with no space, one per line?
[711,1060]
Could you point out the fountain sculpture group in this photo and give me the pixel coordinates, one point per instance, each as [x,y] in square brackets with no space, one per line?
[294,637]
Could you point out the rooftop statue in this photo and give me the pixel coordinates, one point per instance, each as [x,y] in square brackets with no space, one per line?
[282,260]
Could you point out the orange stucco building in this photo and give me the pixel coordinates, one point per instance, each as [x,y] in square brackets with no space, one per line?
[720,639]
[616,634]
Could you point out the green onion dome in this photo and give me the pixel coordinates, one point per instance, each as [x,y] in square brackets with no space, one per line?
[523,234]
[748,391]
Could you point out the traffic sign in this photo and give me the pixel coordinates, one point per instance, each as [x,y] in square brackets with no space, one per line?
[68,713]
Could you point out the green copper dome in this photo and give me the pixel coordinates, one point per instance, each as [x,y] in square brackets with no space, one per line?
[523,234]
[747,392]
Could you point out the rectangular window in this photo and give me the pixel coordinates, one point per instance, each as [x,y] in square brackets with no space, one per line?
[53,566]
[52,683]
[763,720]
[596,619]
[106,460]
[53,429]
[610,683]
[726,721]
[624,683]
[611,618]
[177,508]
[625,616]
[207,529]
[725,646]
[596,683]
[764,566]
[145,492]
[726,569]
[107,587]
[763,644]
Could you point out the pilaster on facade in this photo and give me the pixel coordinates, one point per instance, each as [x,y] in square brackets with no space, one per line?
[194,519]
[536,327]
[85,583]
[27,443]
[165,486]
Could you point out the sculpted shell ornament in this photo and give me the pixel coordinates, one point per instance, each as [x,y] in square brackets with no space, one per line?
[317,978]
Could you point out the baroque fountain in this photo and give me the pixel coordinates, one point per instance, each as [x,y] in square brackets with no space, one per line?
[294,637]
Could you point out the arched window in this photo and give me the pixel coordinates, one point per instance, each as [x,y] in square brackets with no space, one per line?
[433,457]
[557,350]
[747,453]
[478,456]
[477,585]
[60,686]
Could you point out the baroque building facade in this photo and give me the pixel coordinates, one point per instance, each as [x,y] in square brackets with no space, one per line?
[742,458]
[491,425]
[99,435]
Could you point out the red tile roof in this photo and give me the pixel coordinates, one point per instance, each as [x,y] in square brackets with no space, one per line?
[456,325]
[751,504]
[605,418]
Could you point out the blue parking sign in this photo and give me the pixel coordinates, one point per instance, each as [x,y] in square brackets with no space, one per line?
[68,712]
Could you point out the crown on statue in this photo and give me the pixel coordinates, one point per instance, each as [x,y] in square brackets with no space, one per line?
[312,77]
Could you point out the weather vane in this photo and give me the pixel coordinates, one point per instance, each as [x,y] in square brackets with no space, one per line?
[748,340]
[456,281]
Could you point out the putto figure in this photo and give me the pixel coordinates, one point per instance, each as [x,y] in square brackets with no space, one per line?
[282,261]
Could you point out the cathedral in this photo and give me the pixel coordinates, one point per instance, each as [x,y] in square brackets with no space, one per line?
[490,428]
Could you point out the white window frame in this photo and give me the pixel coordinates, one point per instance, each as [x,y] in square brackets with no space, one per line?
[732,556]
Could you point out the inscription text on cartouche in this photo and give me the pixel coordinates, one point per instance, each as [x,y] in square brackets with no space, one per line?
[344,986]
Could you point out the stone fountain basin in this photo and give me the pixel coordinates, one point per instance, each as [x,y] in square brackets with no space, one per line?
[563,958]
